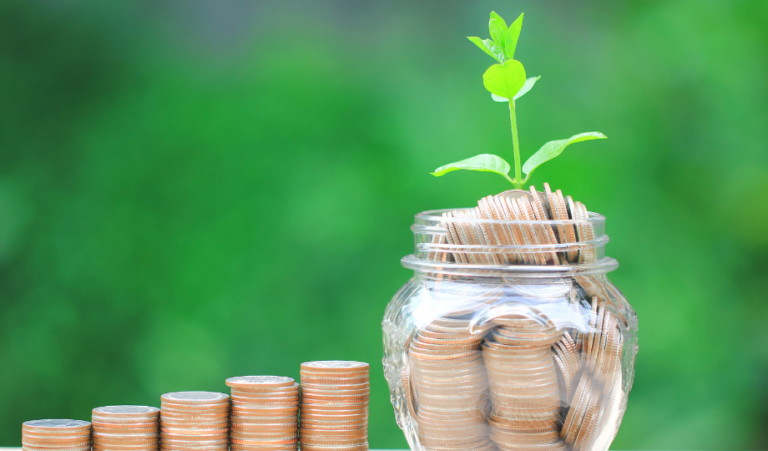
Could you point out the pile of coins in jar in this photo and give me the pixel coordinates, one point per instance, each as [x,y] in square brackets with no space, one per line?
[516,383]
[520,205]
[480,379]
[262,414]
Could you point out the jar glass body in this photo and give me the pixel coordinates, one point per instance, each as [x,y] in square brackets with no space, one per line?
[483,351]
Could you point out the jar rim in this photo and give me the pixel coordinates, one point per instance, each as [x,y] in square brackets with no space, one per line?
[479,246]
[601,266]
[436,216]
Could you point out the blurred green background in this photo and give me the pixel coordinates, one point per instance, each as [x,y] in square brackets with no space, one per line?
[192,190]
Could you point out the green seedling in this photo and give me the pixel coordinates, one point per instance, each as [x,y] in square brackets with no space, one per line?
[507,82]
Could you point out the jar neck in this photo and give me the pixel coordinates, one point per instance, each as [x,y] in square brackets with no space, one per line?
[466,246]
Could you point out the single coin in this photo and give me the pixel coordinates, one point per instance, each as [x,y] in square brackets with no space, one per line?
[195,412]
[204,408]
[292,447]
[66,448]
[259,394]
[314,386]
[129,433]
[125,448]
[289,392]
[335,391]
[202,441]
[195,425]
[193,447]
[272,427]
[55,425]
[126,441]
[330,413]
[126,411]
[260,381]
[307,447]
[56,434]
[195,397]
[272,442]
[335,366]
[259,406]
[334,382]
[55,441]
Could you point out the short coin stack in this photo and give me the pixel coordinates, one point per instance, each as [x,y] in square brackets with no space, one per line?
[194,421]
[334,406]
[56,435]
[125,428]
[450,379]
[524,383]
[265,413]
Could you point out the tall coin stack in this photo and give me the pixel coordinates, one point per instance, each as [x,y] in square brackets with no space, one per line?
[601,355]
[194,421]
[450,379]
[125,428]
[56,435]
[524,384]
[334,405]
[265,413]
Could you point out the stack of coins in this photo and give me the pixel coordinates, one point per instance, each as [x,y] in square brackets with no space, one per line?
[265,413]
[194,421]
[334,406]
[598,391]
[524,384]
[451,385]
[568,364]
[56,435]
[125,428]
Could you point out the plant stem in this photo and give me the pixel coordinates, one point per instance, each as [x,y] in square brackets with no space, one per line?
[516,145]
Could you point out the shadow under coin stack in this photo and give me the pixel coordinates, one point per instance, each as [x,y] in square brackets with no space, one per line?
[265,413]
[194,421]
[125,428]
[56,435]
[334,406]
[525,396]
[452,387]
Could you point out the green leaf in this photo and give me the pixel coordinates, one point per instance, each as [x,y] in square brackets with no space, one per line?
[513,34]
[498,29]
[529,82]
[554,148]
[488,47]
[484,162]
[506,79]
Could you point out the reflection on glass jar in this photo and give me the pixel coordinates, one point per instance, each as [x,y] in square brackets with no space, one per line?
[510,347]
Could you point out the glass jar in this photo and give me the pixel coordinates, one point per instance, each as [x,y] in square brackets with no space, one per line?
[518,347]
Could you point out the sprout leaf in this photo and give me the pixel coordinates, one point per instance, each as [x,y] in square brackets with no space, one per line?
[506,79]
[489,47]
[513,34]
[484,162]
[554,148]
[526,87]
[498,29]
